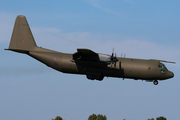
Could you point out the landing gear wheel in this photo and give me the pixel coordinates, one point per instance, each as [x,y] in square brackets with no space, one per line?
[155,82]
[100,78]
[90,77]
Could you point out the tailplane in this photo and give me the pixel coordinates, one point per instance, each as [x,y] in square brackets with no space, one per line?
[22,39]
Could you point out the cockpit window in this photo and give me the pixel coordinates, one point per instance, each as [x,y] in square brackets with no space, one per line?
[162,66]
[162,71]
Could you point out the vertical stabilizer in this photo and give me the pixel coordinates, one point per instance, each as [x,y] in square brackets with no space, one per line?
[22,39]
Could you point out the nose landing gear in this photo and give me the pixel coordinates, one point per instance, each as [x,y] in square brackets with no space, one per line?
[155,82]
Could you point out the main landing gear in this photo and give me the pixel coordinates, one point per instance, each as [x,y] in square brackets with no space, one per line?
[155,82]
[100,78]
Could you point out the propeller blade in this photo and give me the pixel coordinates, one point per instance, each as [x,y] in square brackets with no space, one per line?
[112,55]
[113,50]
[113,58]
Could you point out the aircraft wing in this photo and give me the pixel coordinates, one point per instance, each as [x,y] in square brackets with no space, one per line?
[163,61]
[86,55]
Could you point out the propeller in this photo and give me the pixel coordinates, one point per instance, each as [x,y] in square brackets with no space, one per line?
[113,59]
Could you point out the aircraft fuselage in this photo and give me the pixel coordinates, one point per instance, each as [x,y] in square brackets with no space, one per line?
[125,67]
[84,61]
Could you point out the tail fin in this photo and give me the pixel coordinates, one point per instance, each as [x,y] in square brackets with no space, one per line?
[22,39]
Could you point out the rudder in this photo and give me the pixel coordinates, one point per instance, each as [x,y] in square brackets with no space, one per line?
[22,39]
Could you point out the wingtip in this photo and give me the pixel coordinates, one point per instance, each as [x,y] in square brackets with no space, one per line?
[163,61]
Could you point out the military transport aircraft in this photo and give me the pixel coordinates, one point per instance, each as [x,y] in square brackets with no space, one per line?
[85,61]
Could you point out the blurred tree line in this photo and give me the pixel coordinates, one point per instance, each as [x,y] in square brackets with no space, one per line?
[103,117]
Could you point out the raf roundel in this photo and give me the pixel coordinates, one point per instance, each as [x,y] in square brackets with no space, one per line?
[54,58]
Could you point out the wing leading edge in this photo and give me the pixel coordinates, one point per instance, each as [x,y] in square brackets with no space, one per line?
[88,57]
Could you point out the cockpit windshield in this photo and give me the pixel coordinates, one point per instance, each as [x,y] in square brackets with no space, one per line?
[162,66]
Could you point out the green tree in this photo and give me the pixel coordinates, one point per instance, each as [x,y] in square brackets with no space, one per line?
[58,118]
[97,117]
[151,119]
[161,118]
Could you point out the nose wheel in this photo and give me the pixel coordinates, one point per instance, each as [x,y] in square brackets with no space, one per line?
[155,82]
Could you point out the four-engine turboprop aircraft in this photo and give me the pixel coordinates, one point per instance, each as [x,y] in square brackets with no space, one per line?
[86,62]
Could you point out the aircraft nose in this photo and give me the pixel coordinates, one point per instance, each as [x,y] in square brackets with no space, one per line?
[170,74]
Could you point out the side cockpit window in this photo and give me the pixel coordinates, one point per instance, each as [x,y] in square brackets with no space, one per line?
[162,71]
